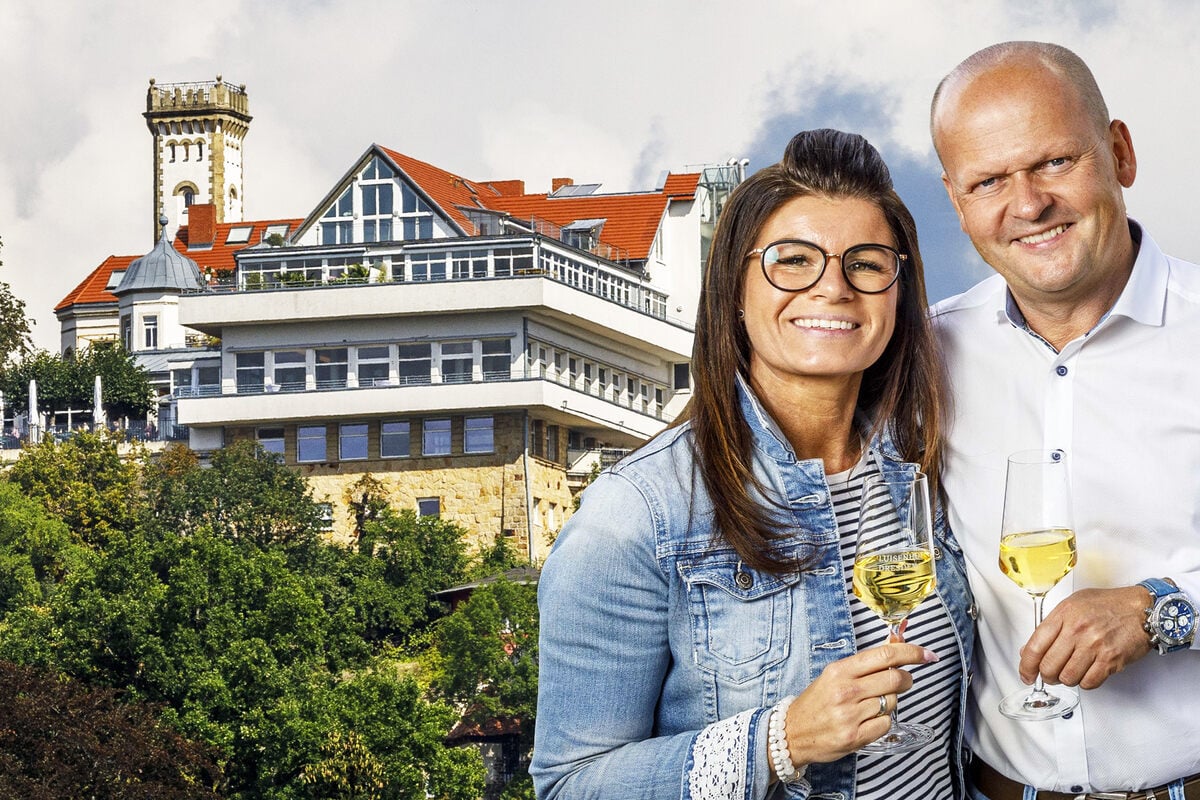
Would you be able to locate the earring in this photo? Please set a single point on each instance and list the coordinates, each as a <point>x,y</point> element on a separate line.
<point>741,313</point>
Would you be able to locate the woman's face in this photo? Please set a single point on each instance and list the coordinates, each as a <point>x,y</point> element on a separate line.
<point>828,331</point>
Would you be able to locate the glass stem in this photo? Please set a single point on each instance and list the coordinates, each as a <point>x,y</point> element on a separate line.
<point>896,635</point>
<point>1038,686</point>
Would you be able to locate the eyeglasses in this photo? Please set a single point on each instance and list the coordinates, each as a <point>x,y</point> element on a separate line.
<point>793,265</point>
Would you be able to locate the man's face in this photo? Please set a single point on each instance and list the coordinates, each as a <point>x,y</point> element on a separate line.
<point>1037,183</point>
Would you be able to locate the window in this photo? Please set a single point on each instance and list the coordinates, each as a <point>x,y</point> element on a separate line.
<point>469,264</point>
<point>428,266</point>
<point>478,435</point>
<point>250,373</point>
<point>683,376</point>
<point>332,368</point>
<point>208,380</point>
<point>336,223</point>
<point>537,438</point>
<point>429,506</point>
<point>497,359</point>
<point>189,195</point>
<point>456,361</point>
<point>127,332</point>
<point>150,331</point>
<point>551,443</point>
<point>199,151</point>
<point>416,363</point>
<point>435,437</point>
<point>271,440</point>
<point>373,365</point>
<point>352,441</point>
<point>377,212</point>
<point>512,261</point>
<point>114,279</point>
<point>290,370</point>
<point>239,235</point>
<point>394,440</point>
<point>310,443</point>
<point>325,510</point>
<point>181,382</point>
<point>273,230</point>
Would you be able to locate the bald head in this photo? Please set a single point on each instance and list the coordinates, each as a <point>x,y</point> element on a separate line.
<point>1033,57</point>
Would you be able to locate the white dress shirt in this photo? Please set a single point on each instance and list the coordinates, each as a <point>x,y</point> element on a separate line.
<point>1123,402</point>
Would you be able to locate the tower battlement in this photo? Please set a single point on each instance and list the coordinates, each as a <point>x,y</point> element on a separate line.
<point>204,97</point>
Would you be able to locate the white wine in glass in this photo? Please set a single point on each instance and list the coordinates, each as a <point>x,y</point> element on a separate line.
<point>893,572</point>
<point>1037,550</point>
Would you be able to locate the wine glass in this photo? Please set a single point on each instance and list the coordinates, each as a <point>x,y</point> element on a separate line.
<point>1037,549</point>
<point>894,571</point>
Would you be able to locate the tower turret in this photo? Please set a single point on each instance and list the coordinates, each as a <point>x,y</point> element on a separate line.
<point>198,130</point>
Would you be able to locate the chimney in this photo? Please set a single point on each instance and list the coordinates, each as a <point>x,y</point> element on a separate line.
<point>202,225</point>
<point>558,183</point>
<point>508,188</point>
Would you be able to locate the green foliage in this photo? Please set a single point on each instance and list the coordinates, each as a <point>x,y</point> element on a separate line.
<point>60,739</point>
<point>70,382</point>
<point>486,661</point>
<point>246,495</point>
<point>82,481</point>
<point>214,596</point>
<point>417,556</point>
<point>15,332</point>
<point>36,551</point>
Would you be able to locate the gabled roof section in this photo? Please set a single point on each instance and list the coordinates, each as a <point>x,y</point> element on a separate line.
<point>447,190</point>
<point>682,186</point>
<point>92,288</point>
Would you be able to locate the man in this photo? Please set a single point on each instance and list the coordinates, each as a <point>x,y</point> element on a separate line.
<point>1083,342</point>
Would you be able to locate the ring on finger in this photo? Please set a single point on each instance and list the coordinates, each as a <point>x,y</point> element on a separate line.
<point>883,706</point>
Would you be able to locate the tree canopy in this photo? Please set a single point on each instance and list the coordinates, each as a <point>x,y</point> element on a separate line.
<point>69,382</point>
<point>15,331</point>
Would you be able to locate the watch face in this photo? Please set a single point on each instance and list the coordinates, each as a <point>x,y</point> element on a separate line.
<point>1176,620</point>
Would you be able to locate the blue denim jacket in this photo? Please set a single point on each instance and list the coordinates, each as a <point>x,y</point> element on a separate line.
<point>657,667</point>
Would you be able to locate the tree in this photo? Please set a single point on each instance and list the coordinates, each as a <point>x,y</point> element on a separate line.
<point>15,333</point>
<point>70,382</point>
<point>247,494</point>
<point>60,739</point>
<point>82,481</point>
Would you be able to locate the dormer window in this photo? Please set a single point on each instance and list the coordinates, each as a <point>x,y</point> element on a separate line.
<point>583,234</point>
<point>114,279</point>
<point>239,235</point>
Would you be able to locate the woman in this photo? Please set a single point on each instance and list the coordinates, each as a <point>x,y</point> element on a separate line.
<point>705,579</point>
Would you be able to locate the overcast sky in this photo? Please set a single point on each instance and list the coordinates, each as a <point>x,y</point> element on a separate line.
<point>613,92</point>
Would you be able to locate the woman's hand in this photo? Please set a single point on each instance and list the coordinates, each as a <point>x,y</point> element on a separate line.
<point>840,711</point>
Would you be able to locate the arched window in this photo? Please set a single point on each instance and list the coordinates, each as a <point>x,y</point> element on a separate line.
<point>199,151</point>
<point>189,197</point>
<point>171,150</point>
<point>186,150</point>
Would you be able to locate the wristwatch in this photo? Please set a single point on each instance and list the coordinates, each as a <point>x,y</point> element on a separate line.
<point>1171,617</point>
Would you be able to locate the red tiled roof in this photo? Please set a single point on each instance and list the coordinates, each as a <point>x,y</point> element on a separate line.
<point>91,289</point>
<point>681,187</point>
<point>220,257</point>
<point>632,220</point>
<point>446,189</point>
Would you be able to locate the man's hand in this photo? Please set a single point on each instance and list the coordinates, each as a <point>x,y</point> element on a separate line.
<point>1091,635</point>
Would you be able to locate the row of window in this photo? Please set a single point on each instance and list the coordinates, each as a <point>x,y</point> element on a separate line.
<point>599,379</point>
<point>184,149</point>
<point>459,361</point>
<point>395,439</point>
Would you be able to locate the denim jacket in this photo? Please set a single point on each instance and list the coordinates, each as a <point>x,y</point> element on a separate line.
<point>659,662</point>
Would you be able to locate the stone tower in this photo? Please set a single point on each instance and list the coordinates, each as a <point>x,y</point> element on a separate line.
<point>198,130</point>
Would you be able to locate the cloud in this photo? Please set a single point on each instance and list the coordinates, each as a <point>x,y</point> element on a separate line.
<point>532,90</point>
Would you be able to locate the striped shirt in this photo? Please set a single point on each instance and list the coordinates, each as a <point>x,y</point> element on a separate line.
<point>933,700</point>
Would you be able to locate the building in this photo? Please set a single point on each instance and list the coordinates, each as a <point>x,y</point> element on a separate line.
<point>475,347</point>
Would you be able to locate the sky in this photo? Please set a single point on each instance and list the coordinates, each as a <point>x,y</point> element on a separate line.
<point>611,92</point>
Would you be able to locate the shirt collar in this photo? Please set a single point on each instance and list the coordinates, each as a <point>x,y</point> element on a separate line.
<point>1142,300</point>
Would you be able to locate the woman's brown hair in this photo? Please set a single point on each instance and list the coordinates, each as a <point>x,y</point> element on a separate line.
<point>902,392</point>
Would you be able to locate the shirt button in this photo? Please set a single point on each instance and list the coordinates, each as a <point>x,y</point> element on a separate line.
<point>1076,789</point>
<point>1061,370</point>
<point>1068,715</point>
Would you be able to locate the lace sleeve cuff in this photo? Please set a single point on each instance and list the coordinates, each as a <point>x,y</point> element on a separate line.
<point>728,760</point>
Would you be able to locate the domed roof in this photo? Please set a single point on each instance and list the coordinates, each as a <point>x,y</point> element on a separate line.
<point>164,267</point>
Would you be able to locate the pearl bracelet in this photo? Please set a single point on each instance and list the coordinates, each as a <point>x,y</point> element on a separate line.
<point>777,745</point>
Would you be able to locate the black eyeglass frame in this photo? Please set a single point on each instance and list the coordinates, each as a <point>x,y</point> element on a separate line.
<point>761,252</point>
